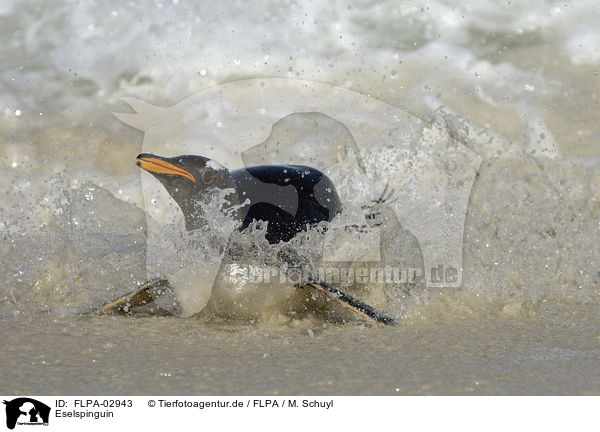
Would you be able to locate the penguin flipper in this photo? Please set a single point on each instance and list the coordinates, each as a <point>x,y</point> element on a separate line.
<point>355,305</point>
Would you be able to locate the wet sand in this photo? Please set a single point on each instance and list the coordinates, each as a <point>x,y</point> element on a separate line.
<point>553,354</point>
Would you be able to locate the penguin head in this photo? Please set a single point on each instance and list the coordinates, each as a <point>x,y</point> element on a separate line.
<point>187,178</point>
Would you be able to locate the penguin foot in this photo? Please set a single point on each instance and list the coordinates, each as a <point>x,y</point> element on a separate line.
<point>146,294</point>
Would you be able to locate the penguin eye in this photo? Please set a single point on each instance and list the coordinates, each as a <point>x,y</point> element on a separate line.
<point>208,176</point>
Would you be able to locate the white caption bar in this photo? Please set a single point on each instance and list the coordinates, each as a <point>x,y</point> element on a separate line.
<point>48,413</point>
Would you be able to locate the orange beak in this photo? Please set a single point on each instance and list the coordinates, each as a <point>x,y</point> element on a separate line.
<point>154,165</point>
